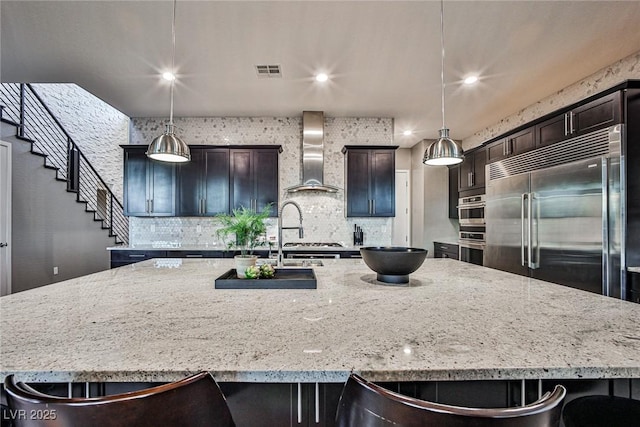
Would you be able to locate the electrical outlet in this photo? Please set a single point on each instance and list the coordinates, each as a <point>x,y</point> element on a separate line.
<point>55,270</point>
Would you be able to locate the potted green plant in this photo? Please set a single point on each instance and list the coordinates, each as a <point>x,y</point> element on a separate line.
<point>248,227</point>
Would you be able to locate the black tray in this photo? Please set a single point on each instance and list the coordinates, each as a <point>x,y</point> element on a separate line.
<point>284,278</point>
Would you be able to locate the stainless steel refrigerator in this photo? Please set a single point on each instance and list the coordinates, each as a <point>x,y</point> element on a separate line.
<point>556,214</point>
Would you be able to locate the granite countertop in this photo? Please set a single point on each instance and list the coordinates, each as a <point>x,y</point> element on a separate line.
<point>160,320</point>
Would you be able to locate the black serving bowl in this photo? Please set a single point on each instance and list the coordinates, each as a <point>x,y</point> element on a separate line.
<point>392,263</point>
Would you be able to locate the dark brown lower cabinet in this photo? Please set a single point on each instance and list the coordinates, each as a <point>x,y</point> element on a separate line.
<point>289,404</point>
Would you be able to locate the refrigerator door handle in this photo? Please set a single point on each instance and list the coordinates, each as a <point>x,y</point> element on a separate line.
<point>523,197</point>
<point>530,231</point>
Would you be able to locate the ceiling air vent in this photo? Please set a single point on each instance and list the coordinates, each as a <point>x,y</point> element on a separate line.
<point>268,71</point>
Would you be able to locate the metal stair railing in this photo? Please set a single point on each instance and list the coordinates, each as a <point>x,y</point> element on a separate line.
<point>23,107</point>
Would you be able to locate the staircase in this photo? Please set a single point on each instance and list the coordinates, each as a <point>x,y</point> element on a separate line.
<point>21,107</point>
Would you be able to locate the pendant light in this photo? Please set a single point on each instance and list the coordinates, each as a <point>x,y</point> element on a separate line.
<point>444,151</point>
<point>168,147</point>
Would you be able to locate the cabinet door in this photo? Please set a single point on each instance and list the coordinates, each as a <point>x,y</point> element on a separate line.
<point>262,404</point>
<point>215,181</point>
<point>552,130</point>
<point>521,142</point>
<point>358,177</point>
<point>597,114</point>
<point>135,183</point>
<point>162,184</point>
<point>383,167</point>
<point>464,173</point>
<point>266,180</point>
<point>242,186</point>
<point>479,162</point>
<point>453,192</point>
<point>189,185</point>
<point>496,151</point>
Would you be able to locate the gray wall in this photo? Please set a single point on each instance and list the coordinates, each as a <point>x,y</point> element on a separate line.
<point>49,227</point>
<point>430,201</point>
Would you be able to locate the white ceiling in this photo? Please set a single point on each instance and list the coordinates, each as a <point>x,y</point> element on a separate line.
<point>383,57</point>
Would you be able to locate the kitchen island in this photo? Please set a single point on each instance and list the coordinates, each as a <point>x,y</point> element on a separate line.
<point>160,320</point>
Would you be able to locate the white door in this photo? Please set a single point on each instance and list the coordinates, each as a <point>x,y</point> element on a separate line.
<point>5,218</point>
<point>400,235</point>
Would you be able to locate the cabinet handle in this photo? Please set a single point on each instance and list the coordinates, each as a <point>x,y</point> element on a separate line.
<point>504,148</point>
<point>444,248</point>
<point>566,125</point>
<point>373,204</point>
<point>151,204</point>
<point>136,255</point>
<point>507,146</point>
<point>571,128</point>
<point>299,403</point>
<point>317,404</point>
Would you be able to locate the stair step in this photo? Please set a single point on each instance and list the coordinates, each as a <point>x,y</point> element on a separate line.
<point>37,153</point>
<point>55,168</point>
<point>10,122</point>
<point>24,138</point>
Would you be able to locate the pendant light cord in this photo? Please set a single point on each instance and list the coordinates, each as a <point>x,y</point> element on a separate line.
<point>173,60</point>
<point>442,45</point>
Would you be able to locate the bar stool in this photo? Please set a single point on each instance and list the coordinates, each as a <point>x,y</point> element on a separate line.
<point>598,411</point>
<point>364,404</point>
<point>195,401</point>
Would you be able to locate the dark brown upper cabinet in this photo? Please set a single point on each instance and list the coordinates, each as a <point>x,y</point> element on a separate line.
<point>597,114</point>
<point>203,183</point>
<point>370,173</point>
<point>517,143</point>
<point>149,185</point>
<point>254,178</point>
<point>471,170</point>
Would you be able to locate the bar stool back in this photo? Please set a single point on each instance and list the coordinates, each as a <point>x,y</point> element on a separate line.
<point>598,411</point>
<point>364,404</point>
<point>195,401</point>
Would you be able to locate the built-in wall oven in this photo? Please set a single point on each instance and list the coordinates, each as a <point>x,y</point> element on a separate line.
<point>471,245</point>
<point>472,228</point>
<point>471,211</point>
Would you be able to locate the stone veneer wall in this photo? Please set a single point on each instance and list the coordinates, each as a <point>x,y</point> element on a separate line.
<point>625,69</point>
<point>95,126</point>
<point>324,218</point>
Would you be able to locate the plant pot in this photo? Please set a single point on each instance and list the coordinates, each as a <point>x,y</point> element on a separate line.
<point>243,262</point>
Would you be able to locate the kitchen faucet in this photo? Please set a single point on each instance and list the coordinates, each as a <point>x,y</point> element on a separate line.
<point>280,227</point>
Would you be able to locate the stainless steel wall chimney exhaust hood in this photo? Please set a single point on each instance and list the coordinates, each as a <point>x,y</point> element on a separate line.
<point>312,154</point>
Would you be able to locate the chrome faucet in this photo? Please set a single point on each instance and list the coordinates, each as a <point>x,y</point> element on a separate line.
<point>280,227</point>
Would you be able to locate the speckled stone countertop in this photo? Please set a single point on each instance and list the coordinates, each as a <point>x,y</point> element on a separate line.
<point>160,320</point>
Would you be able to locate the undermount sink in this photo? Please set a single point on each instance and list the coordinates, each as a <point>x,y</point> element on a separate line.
<point>312,262</point>
<point>302,263</point>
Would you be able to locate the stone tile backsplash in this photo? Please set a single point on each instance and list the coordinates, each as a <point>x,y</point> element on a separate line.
<point>323,214</point>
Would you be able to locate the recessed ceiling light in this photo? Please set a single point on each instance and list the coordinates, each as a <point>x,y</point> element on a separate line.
<point>168,76</point>
<point>407,133</point>
<point>322,77</point>
<point>470,80</point>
